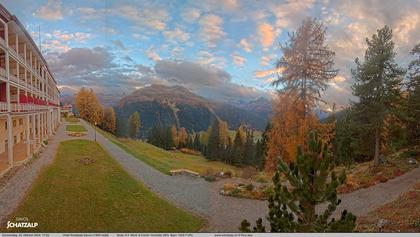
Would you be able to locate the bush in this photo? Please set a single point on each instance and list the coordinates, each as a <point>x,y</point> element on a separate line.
<point>249,187</point>
<point>210,178</point>
<point>235,192</point>
<point>249,172</point>
<point>228,174</point>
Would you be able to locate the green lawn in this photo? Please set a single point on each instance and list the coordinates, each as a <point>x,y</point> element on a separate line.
<point>72,119</point>
<point>75,128</point>
<point>71,196</point>
<point>164,161</point>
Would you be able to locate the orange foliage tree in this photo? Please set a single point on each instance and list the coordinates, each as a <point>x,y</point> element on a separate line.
<point>89,106</point>
<point>304,71</point>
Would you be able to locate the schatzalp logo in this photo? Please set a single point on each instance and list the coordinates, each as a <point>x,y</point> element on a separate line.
<point>21,222</point>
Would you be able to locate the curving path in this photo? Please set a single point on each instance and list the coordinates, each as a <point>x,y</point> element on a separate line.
<point>224,214</point>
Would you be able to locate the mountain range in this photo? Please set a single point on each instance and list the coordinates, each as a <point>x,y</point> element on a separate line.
<point>176,105</point>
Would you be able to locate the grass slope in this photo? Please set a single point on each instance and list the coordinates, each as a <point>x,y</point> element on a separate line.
<point>71,196</point>
<point>75,128</point>
<point>72,119</point>
<point>403,215</point>
<point>164,161</point>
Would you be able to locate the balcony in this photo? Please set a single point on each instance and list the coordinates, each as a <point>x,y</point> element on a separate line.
<point>3,73</point>
<point>2,42</point>
<point>24,107</point>
<point>13,78</point>
<point>3,107</point>
<point>12,49</point>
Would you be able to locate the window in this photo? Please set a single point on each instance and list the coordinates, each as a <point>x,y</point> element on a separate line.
<point>14,140</point>
<point>20,121</point>
<point>14,123</point>
<point>21,136</point>
<point>5,125</point>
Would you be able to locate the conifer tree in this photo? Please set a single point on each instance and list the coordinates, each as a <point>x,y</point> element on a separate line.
<point>312,181</point>
<point>197,143</point>
<point>134,125</point>
<point>378,85</point>
<point>168,139</point>
<point>413,100</point>
<point>237,154</point>
<point>218,140</point>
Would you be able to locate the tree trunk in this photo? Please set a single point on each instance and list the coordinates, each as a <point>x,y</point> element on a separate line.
<point>377,147</point>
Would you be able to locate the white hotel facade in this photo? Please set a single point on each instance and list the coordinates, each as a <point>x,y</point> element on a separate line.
<point>29,97</point>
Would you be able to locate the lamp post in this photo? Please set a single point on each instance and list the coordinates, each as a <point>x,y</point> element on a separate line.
<point>95,131</point>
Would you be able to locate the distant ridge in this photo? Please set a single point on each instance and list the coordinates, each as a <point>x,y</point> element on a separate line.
<point>176,105</point>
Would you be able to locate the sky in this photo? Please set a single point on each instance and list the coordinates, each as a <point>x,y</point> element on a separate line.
<point>222,50</point>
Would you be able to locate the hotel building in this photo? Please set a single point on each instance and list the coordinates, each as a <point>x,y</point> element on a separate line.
<point>29,97</point>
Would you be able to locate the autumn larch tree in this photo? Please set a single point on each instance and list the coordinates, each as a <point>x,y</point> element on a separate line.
<point>109,122</point>
<point>304,70</point>
<point>310,181</point>
<point>182,137</point>
<point>89,106</point>
<point>378,83</point>
<point>134,124</point>
<point>307,65</point>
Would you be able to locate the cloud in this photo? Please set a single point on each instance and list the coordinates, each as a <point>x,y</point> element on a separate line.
<point>246,45</point>
<point>267,34</point>
<point>205,80</point>
<point>80,60</point>
<point>211,29</point>
<point>59,41</point>
<point>190,15</point>
<point>118,44</point>
<point>207,58</point>
<point>267,60</point>
<point>152,54</point>
<point>230,4</point>
<point>151,17</point>
<point>51,11</point>
<point>238,59</point>
<point>176,35</point>
<point>291,13</point>
<point>269,72</point>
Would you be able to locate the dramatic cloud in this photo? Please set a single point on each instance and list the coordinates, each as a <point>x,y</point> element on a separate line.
<point>238,37</point>
<point>51,12</point>
<point>208,81</point>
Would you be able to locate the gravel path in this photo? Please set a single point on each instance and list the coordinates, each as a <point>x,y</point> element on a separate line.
<point>224,214</point>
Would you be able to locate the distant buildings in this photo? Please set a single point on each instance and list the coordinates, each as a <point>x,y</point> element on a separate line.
<point>67,110</point>
<point>29,97</point>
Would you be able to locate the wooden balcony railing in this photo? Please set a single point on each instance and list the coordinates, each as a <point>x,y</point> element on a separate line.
<point>3,107</point>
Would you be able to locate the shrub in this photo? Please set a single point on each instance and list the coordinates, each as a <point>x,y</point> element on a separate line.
<point>210,178</point>
<point>228,174</point>
<point>235,192</point>
<point>249,172</point>
<point>249,187</point>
